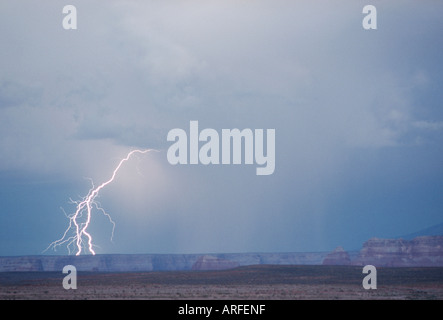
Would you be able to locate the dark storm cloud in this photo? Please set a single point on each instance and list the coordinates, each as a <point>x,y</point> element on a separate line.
<point>344,103</point>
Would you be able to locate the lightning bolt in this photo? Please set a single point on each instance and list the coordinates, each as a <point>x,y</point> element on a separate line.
<point>80,220</point>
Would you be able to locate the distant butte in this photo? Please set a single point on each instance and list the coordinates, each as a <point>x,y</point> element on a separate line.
<point>426,251</point>
<point>208,262</point>
<point>337,257</point>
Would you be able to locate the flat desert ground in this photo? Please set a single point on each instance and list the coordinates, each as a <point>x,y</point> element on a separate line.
<point>281,282</point>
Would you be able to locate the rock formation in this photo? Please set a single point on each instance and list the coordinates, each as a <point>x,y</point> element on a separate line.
<point>25,263</point>
<point>426,251</point>
<point>155,262</point>
<point>207,262</point>
<point>421,251</point>
<point>337,257</point>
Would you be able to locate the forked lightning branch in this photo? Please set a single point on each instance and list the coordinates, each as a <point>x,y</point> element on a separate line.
<point>76,235</point>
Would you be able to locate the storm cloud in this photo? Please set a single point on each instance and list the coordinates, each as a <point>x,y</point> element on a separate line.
<point>357,115</point>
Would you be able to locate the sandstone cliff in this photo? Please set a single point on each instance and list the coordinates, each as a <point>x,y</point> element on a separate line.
<point>337,257</point>
<point>426,251</point>
<point>155,262</point>
<point>421,251</point>
<point>207,262</point>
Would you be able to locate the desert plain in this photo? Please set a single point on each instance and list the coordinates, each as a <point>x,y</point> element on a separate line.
<point>267,282</point>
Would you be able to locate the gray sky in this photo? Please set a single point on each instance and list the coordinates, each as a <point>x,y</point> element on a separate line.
<point>357,113</point>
